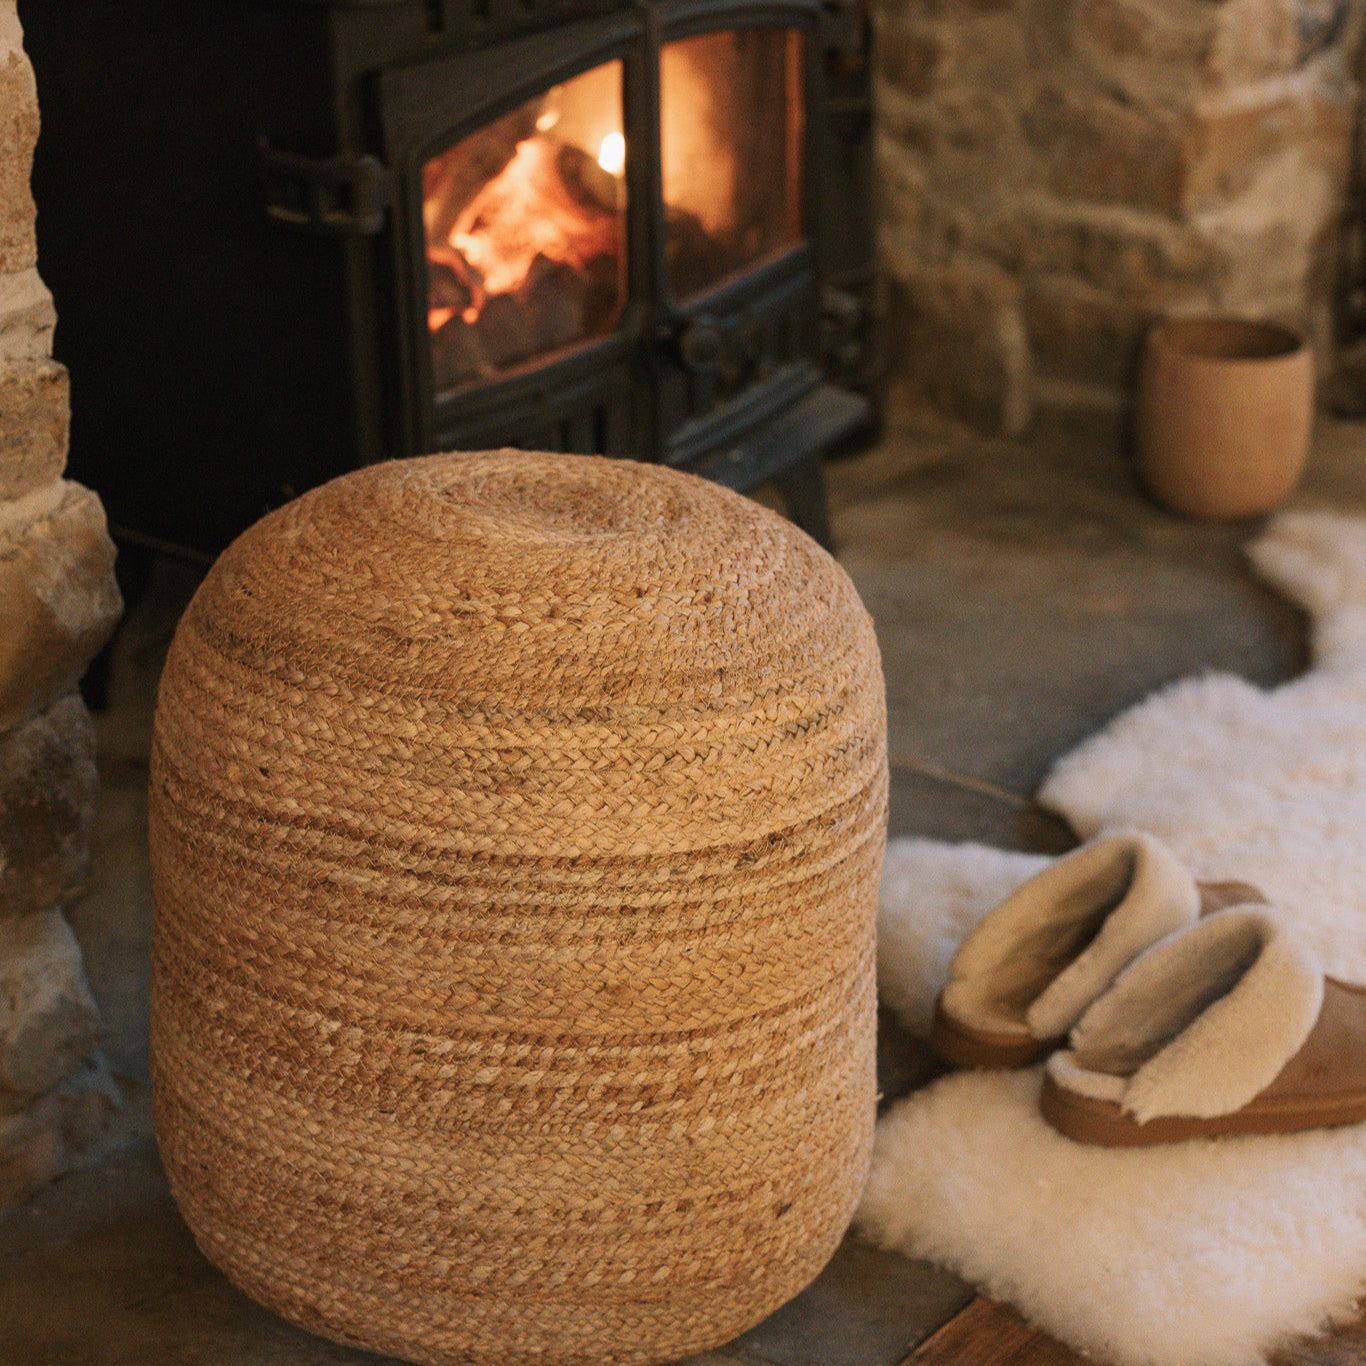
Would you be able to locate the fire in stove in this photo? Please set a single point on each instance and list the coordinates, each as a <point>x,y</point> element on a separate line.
<point>525,219</point>
<point>526,231</point>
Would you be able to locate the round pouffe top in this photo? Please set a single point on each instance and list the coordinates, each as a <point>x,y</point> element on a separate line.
<point>516,829</point>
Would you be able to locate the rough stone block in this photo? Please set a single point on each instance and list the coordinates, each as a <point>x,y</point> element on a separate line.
<point>49,1025</point>
<point>1165,55</point>
<point>913,57</point>
<point>916,228</point>
<point>18,134</point>
<point>27,318</point>
<point>904,125</point>
<point>920,56</point>
<point>968,142</point>
<point>1226,146</point>
<point>39,1143</point>
<point>58,598</point>
<point>1077,332</point>
<point>1101,150</point>
<point>1252,41</point>
<point>1322,23</point>
<point>47,796</point>
<point>962,343</point>
<point>1126,252</point>
<point>34,422</point>
<point>1279,236</point>
<point>1000,52</point>
<point>1153,53</point>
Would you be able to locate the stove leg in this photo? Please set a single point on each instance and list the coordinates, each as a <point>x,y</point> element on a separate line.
<point>802,485</point>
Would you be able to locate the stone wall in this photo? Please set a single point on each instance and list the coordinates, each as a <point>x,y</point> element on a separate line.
<point>58,604</point>
<point>1057,174</point>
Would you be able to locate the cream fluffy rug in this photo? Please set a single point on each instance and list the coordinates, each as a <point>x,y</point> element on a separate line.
<point>1200,1254</point>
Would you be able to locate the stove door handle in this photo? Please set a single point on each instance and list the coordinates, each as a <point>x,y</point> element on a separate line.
<point>701,344</point>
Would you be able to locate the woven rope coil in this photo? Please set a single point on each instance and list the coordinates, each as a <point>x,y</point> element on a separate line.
<point>516,830</point>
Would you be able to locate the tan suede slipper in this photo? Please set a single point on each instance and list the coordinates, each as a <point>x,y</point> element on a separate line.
<point>1024,976</point>
<point>1225,1028</point>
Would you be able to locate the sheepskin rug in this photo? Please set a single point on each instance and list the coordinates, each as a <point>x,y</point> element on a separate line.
<point>1200,1254</point>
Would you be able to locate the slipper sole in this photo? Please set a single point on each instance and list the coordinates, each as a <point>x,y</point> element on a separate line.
<point>1322,1087</point>
<point>1103,1124</point>
<point>966,1046</point>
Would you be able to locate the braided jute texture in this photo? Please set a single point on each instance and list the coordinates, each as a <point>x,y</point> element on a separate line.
<point>516,830</point>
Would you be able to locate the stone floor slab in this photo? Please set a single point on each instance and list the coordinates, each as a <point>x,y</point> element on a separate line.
<point>868,1308</point>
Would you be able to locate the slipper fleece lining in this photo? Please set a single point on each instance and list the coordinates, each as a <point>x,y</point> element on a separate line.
<point>1200,1024</point>
<point>1048,950</point>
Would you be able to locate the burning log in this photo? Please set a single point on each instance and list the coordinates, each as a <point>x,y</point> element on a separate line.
<point>502,332</point>
<point>552,299</point>
<point>555,306</point>
<point>498,338</point>
<point>456,357</point>
<point>595,191</point>
<point>697,258</point>
<point>445,289</point>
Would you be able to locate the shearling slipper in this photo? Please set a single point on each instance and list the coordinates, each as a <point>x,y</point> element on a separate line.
<point>1024,976</point>
<point>1225,1028</point>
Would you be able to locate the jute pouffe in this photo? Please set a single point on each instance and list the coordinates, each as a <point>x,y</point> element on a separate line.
<point>516,830</point>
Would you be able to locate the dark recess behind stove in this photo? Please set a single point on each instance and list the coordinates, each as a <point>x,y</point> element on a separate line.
<point>222,362</point>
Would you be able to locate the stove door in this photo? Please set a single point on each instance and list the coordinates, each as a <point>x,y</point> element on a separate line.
<point>524,224</point>
<point>737,341</point>
<point>516,253</point>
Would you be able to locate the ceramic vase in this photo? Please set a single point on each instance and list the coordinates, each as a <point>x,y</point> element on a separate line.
<point>1224,412</point>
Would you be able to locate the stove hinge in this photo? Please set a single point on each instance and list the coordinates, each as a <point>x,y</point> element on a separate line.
<point>333,195</point>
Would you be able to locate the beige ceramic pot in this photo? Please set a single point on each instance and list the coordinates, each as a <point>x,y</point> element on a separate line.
<point>1224,414</point>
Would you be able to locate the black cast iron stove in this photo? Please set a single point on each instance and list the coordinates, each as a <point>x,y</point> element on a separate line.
<point>290,237</point>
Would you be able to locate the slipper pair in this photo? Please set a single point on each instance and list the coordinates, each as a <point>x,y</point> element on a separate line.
<point>1166,1009</point>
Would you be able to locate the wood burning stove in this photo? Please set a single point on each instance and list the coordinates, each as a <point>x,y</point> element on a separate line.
<point>289,237</point>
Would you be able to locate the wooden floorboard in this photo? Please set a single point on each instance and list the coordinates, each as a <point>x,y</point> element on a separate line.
<point>991,1334</point>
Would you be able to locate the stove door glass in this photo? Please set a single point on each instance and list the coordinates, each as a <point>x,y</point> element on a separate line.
<point>731,133</point>
<point>525,224</point>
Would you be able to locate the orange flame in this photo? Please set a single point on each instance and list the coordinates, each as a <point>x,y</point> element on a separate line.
<point>525,211</point>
